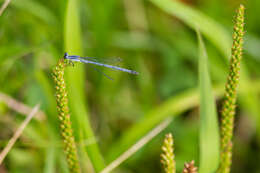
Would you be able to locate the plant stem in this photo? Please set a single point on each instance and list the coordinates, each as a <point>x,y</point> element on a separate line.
<point>64,117</point>
<point>229,105</point>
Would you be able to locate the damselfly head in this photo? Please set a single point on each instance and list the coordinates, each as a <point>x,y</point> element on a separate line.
<point>66,55</point>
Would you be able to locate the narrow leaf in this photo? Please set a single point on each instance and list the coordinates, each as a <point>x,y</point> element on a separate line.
<point>76,82</point>
<point>209,135</point>
<point>172,107</point>
<point>194,18</point>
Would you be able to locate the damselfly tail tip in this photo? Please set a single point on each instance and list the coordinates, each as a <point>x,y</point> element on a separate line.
<point>135,72</point>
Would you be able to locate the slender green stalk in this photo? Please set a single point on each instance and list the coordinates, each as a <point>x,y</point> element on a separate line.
<point>64,117</point>
<point>167,157</point>
<point>229,105</point>
<point>209,128</point>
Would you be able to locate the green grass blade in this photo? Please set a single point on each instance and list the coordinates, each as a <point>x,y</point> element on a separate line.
<point>216,34</point>
<point>194,18</point>
<point>209,132</point>
<point>75,82</point>
<point>172,107</point>
<point>50,161</point>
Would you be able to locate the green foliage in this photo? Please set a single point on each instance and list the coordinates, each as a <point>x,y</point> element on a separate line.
<point>174,106</point>
<point>209,132</point>
<point>76,78</point>
<point>110,116</point>
<point>195,19</point>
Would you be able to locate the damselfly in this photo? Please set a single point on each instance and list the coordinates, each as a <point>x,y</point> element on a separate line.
<point>90,60</point>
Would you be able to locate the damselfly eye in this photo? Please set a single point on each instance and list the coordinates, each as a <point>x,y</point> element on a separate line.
<point>66,55</point>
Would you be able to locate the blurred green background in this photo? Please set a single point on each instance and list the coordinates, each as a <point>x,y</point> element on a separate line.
<point>161,46</point>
